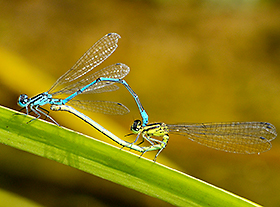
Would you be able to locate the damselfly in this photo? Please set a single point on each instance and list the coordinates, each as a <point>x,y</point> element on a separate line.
<point>234,137</point>
<point>100,81</point>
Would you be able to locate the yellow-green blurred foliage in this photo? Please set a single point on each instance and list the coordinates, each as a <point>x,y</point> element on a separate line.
<point>191,61</point>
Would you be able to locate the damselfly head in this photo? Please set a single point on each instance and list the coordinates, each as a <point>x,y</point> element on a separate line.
<point>136,126</point>
<point>23,100</point>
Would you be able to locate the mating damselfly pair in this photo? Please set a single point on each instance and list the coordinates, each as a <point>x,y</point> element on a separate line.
<point>235,137</point>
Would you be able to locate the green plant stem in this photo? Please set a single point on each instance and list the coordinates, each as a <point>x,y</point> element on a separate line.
<point>111,163</point>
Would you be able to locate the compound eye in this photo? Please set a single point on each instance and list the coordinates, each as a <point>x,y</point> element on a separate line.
<point>23,100</point>
<point>136,126</point>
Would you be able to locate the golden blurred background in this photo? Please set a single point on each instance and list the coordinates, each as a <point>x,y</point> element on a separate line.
<point>191,61</point>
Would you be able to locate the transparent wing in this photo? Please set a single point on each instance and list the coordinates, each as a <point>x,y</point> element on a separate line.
<point>107,88</point>
<point>235,137</point>
<point>116,71</point>
<point>104,107</point>
<point>95,55</point>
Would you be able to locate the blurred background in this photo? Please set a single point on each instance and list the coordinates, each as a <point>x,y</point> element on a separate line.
<point>191,61</point>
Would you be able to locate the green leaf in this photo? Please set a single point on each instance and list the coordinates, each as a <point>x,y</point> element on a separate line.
<point>109,162</point>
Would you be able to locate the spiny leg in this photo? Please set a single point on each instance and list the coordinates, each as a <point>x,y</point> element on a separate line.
<point>143,139</point>
<point>149,139</point>
<point>26,108</point>
<point>36,112</point>
<point>45,110</point>
<point>47,115</point>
